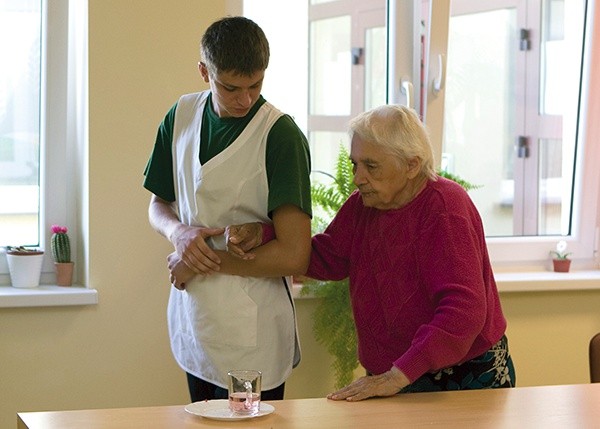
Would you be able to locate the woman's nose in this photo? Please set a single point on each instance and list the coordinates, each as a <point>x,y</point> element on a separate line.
<point>358,178</point>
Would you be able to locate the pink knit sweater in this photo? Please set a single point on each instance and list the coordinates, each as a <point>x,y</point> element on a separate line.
<point>422,288</point>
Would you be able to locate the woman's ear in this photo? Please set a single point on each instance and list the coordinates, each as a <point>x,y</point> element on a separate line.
<point>414,167</point>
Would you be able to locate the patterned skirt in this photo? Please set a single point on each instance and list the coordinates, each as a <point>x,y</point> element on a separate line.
<point>493,369</point>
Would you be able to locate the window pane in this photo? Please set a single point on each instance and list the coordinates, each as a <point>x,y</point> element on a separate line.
<point>479,111</point>
<point>375,67</point>
<point>555,188</point>
<point>324,149</point>
<point>20,36</point>
<point>330,66</point>
<point>502,93</point>
<point>554,81</point>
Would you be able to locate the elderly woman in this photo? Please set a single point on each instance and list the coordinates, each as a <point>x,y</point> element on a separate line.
<point>425,303</point>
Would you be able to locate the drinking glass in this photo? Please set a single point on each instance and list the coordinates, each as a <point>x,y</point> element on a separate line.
<point>244,391</point>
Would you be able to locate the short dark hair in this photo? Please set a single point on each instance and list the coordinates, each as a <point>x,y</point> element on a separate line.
<point>234,44</point>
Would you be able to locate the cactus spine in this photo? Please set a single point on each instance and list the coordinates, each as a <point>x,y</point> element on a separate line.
<point>60,244</point>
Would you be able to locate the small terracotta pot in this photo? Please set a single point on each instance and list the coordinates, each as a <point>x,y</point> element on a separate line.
<point>561,265</point>
<point>64,273</point>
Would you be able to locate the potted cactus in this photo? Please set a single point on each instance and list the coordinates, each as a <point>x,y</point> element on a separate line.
<point>61,252</point>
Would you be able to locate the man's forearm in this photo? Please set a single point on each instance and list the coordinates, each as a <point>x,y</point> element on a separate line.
<point>162,217</point>
<point>268,262</point>
<point>288,253</point>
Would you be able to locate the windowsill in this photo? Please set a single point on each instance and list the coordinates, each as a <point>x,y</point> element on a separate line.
<point>548,281</point>
<point>46,296</point>
<point>542,281</point>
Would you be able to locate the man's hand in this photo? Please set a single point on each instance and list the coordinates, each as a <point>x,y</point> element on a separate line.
<point>190,244</point>
<point>180,273</point>
<point>189,241</point>
<point>241,239</point>
<point>387,384</point>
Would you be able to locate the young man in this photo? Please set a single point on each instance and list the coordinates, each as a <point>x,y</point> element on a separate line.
<point>226,156</point>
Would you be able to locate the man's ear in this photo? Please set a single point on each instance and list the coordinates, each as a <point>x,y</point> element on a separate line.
<point>203,71</point>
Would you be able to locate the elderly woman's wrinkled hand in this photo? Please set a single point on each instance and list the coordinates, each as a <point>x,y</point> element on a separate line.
<point>387,384</point>
<point>241,239</point>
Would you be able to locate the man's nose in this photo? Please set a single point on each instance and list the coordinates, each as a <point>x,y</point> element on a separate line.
<point>245,99</point>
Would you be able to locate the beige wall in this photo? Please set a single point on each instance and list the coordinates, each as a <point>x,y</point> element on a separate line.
<point>115,354</point>
<point>549,334</point>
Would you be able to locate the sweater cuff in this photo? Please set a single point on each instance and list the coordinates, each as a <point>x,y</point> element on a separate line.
<point>411,367</point>
<point>268,232</point>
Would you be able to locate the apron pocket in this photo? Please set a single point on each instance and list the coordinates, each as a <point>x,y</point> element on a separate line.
<point>227,316</point>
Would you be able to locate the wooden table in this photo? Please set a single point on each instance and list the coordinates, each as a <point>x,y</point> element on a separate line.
<point>565,407</point>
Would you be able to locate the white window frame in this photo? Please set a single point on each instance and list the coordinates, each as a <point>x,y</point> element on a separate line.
<point>514,254</point>
<point>531,253</point>
<point>63,127</point>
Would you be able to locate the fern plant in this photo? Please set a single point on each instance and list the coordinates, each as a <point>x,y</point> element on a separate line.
<point>333,326</point>
<point>468,186</point>
<point>327,199</point>
<point>333,323</point>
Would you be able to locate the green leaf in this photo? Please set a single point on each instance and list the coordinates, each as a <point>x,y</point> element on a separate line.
<point>467,185</point>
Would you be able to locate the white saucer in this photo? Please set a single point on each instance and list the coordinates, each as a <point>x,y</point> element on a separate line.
<point>218,409</point>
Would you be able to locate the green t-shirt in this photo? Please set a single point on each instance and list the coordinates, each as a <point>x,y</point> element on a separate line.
<point>287,157</point>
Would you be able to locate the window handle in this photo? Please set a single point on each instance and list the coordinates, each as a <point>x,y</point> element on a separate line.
<point>524,39</point>
<point>523,147</point>
<point>357,54</point>
<point>406,88</point>
<point>437,81</point>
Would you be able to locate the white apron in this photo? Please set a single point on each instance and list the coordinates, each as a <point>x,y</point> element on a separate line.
<point>223,322</point>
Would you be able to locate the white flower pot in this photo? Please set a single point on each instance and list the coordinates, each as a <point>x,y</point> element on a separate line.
<point>25,269</point>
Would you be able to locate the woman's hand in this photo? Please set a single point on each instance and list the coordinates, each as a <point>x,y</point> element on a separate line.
<point>241,239</point>
<point>387,384</point>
